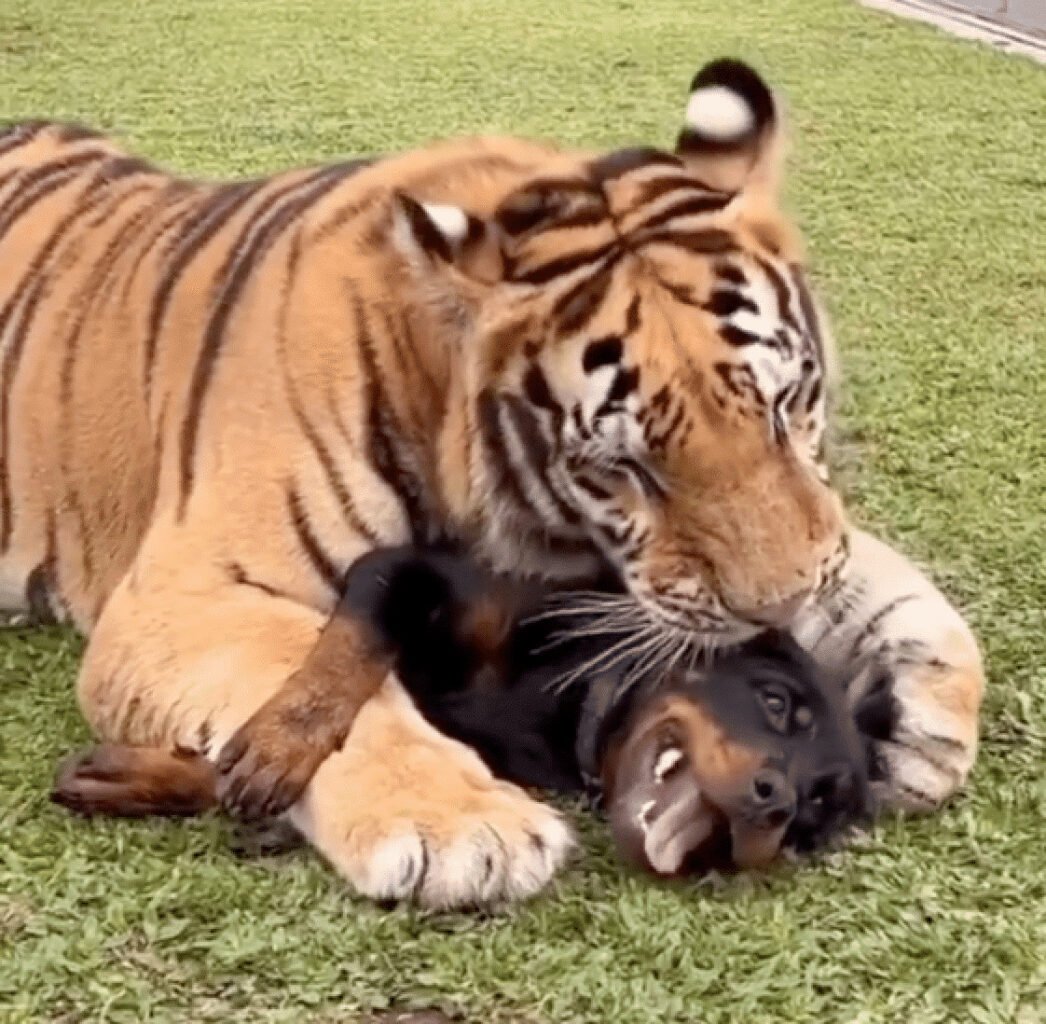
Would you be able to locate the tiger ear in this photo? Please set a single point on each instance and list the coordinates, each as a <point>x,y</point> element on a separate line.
<point>732,135</point>
<point>442,236</point>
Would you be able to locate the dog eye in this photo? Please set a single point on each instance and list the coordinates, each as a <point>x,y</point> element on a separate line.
<point>777,706</point>
<point>804,717</point>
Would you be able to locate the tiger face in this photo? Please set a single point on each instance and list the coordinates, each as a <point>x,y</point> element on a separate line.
<point>649,369</point>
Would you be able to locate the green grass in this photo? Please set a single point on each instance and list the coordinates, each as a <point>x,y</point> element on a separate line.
<point>920,181</point>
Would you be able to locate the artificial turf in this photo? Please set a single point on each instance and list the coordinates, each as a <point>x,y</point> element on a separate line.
<point>919,177</point>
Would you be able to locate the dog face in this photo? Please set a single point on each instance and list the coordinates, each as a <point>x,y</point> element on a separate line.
<point>729,764</point>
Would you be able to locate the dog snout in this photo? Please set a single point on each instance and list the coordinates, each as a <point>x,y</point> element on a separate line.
<point>773,798</point>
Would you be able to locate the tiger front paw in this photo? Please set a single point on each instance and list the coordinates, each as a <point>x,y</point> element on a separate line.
<point>407,814</point>
<point>931,744</point>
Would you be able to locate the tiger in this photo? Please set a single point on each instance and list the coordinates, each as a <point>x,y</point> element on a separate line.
<point>215,396</point>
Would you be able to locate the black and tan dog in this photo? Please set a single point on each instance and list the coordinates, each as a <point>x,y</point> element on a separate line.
<point>726,764</point>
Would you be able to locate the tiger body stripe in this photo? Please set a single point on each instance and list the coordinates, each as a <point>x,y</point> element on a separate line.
<point>215,396</point>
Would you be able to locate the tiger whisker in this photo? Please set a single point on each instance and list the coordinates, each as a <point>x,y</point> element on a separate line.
<point>667,656</point>
<point>578,609</point>
<point>588,631</point>
<point>615,653</point>
<point>647,652</point>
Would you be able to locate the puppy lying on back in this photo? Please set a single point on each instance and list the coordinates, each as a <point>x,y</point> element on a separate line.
<point>726,764</point>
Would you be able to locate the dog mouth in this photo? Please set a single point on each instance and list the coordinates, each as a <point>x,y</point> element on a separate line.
<point>691,835</point>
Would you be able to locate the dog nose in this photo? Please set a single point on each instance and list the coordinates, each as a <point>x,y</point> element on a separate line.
<point>773,798</point>
<point>782,611</point>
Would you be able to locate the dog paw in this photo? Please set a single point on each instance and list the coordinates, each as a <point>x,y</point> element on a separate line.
<point>266,765</point>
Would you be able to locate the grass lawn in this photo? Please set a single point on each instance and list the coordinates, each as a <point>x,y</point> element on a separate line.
<point>920,178</point>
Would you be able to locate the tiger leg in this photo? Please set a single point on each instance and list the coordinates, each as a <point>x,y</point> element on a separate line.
<point>399,810</point>
<point>887,611</point>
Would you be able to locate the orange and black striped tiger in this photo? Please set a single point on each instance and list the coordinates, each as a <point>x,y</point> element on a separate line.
<point>214,397</point>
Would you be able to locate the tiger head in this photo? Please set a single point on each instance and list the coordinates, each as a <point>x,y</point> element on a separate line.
<point>647,366</point>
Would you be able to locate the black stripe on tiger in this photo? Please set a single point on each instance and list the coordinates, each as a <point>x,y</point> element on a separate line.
<point>602,352</point>
<point>868,630</point>
<point>563,265</point>
<point>616,165</point>
<point>41,587</point>
<point>322,563</point>
<point>574,309</point>
<point>408,351</point>
<point>553,202</point>
<point>617,535</point>
<point>626,382</point>
<point>92,290</point>
<point>383,453</point>
<point>781,292</point>
<point>537,454</point>
<point>329,466</point>
<point>93,287</point>
<point>664,183</point>
<point>19,134</point>
<point>658,441</point>
<point>211,215</point>
<point>738,336</point>
<point>25,300</point>
<point>710,241</point>
<point>590,487</point>
<point>539,394</point>
<point>179,200</point>
<point>238,573</point>
<point>518,222</point>
<point>692,206</point>
<point>723,303</point>
<point>813,395</point>
<point>808,309</point>
<point>493,435</point>
<point>264,227</point>
<point>72,131</point>
<point>36,185</point>
<point>332,474</point>
<point>739,379</point>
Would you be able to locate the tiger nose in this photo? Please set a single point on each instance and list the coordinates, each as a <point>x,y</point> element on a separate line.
<point>781,611</point>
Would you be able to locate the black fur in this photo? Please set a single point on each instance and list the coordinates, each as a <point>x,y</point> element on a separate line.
<point>496,694</point>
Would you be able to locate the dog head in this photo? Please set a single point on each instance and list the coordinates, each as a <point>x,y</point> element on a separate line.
<point>729,764</point>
